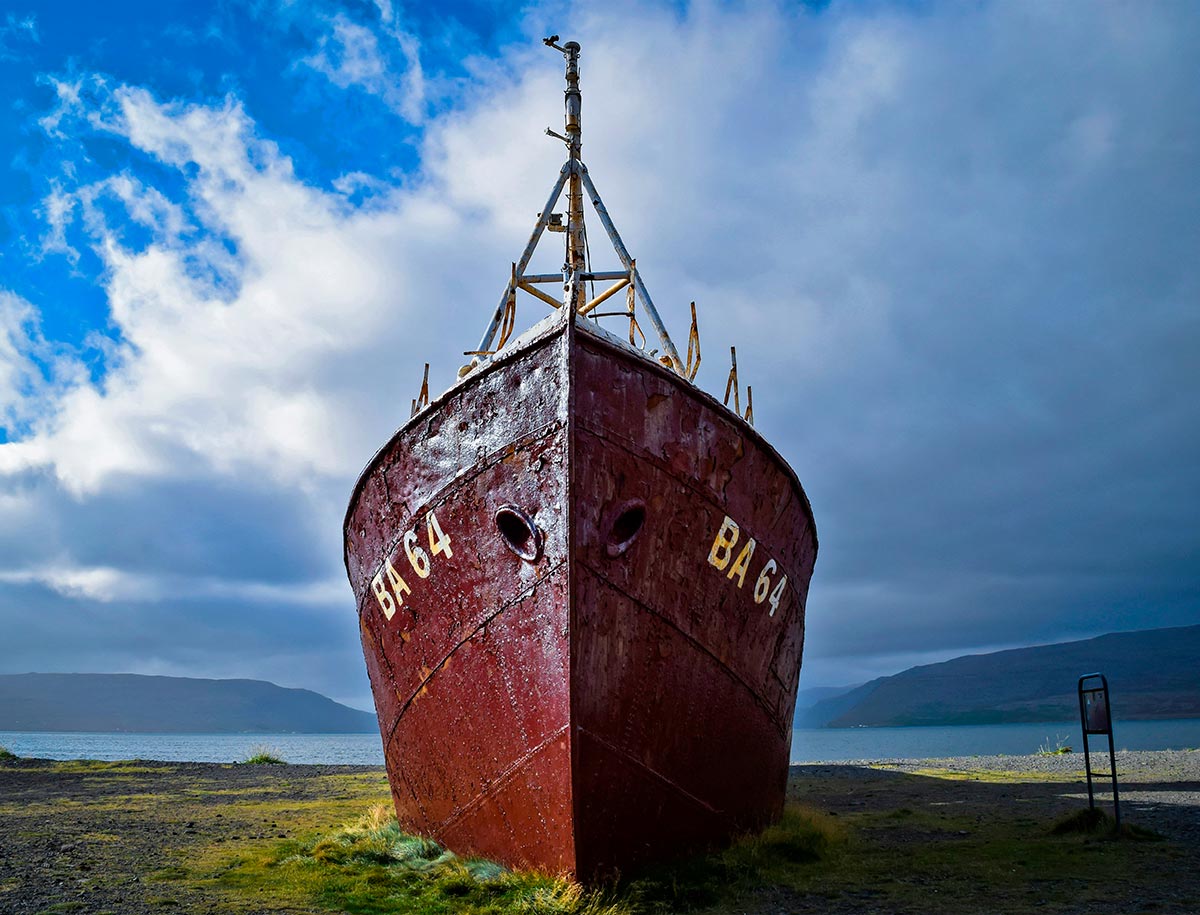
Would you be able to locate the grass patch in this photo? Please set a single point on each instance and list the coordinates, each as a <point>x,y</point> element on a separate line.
<point>174,872</point>
<point>6,754</point>
<point>370,866</point>
<point>1059,748</point>
<point>264,756</point>
<point>994,776</point>
<point>118,767</point>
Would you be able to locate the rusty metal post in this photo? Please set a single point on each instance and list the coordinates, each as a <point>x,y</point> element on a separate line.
<point>731,384</point>
<point>627,261</point>
<point>485,341</point>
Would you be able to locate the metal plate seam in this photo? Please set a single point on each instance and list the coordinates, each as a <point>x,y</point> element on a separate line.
<point>603,579</point>
<point>442,663</point>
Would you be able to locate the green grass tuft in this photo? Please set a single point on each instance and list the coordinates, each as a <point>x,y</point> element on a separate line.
<point>264,756</point>
<point>1089,821</point>
<point>6,754</point>
<point>371,867</point>
<point>1060,747</point>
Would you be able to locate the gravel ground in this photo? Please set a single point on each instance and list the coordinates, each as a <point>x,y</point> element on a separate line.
<point>106,840</point>
<point>1159,789</point>
<point>1132,765</point>
<point>103,840</point>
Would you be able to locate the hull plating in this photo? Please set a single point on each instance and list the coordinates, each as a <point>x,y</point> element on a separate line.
<point>628,694</point>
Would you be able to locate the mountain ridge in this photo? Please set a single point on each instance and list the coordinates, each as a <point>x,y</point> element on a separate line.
<point>1152,674</point>
<point>114,703</point>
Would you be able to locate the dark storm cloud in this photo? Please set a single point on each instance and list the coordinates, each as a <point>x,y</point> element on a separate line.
<point>1013,455</point>
<point>956,251</point>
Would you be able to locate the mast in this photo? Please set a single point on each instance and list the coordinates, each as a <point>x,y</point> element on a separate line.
<point>576,237</point>
<point>576,272</point>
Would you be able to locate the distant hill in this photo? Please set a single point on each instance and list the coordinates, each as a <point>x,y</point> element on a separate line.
<point>807,698</point>
<point>131,702</point>
<point>1151,674</point>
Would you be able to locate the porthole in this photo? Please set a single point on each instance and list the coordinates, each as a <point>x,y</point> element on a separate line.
<point>626,526</point>
<point>519,532</point>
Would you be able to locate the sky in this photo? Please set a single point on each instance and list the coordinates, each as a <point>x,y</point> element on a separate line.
<point>957,246</point>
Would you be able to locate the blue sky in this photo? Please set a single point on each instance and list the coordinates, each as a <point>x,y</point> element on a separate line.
<point>955,245</point>
<point>281,61</point>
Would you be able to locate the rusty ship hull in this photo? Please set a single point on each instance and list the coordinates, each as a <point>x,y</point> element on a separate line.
<point>581,586</point>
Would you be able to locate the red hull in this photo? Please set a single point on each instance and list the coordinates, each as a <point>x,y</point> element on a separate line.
<point>628,694</point>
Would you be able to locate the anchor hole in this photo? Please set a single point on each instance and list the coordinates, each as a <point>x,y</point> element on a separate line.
<point>520,533</point>
<point>626,527</point>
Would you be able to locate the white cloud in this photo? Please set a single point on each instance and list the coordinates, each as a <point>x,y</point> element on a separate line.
<point>18,373</point>
<point>227,375</point>
<point>32,371</point>
<point>957,262</point>
<point>351,55</point>
<point>15,31</point>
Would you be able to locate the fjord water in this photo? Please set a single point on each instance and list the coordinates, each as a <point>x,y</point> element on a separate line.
<point>808,744</point>
<point>324,749</point>
<point>832,744</point>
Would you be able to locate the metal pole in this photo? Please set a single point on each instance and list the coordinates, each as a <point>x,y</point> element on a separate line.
<point>1087,754</point>
<point>485,342</point>
<point>626,260</point>
<point>576,249</point>
<point>1112,754</point>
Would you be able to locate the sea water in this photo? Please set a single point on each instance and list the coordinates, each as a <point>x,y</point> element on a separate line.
<point>326,749</point>
<point>833,744</point>
<point>808,744</point>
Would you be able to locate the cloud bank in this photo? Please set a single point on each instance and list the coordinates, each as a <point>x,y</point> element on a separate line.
<point>954,246</point>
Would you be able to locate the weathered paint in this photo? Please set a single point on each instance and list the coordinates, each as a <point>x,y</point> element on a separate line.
<point>621,698</point>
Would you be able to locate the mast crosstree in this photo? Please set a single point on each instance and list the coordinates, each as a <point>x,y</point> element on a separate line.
<point>576,272</point>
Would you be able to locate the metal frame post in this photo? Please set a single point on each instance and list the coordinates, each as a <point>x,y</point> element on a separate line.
<point>485,341</point>
<point>627,261</point>
<point>1089,728</point>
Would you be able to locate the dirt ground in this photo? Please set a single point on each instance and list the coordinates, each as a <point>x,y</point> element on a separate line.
<point>111,837</point>
<point>924,836</point>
